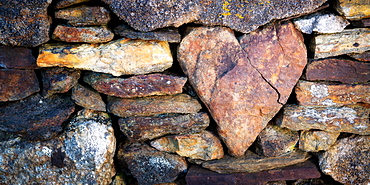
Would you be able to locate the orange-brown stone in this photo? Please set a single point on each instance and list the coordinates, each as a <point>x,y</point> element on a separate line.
<point>83,34</point>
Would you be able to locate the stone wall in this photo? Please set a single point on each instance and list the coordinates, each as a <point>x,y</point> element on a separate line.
<point>184,92</point>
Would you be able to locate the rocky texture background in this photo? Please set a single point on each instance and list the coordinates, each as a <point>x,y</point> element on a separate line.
<point>184,92</point>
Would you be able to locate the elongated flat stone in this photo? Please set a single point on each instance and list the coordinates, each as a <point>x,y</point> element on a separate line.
<point>314,141</point>
<point>17,58</point>
<point>88,98</point>
<point>321,23</point>
<point>82,34</point>
<point>353,9</point>
<point>58,80</point>
<point>84,16</point>
<point>119,57</point>
<point>365,56</point>
<point>361,23</point>
<point>350,118</point>
<point>65,3</point>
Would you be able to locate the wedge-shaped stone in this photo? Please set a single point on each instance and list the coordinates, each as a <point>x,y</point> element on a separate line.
<point>353,9</point>
<point>58,80</point>
<point>329,94</point>
<point>88,98</point>
<point>365,56</point>
<point>146,128</point>
<point>348,41</point>
<point>152,105</point>
<point>350,118</point>
<point>119,57</point>
<point>82,34</point>
<point>203,145</point>
<point>84,16</point>
<point>314,141</point>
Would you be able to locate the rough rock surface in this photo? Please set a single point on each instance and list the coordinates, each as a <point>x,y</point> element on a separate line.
<point>347,161</point>
<point>339,70</point>
<point>146,128</point>
<point>88,98</point>
<point>24,23</point>
<point>81,155</point>
<point>36,118</point>
<point>243,16</point>
<point>353,9</point>
<point>203,145</point>
<point>361,23</point>
<point>136,86</point>
<point>152,105</point>
<point>240,84</point>
<point>17,58</point>
<point>82,34</point>
<point>150,166</point>
<point>84,16</point>
<point>118,57</point>
<point>314,141</point>
<point>17,84</point>
<point>321,23</point>
<point>65,3</point>
<point>329,94</point>
<point>365,56</point>
<point>58,80</point>
<point>350,118</point>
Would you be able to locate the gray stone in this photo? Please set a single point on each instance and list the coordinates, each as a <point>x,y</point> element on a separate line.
<point>314,141</point>
<point>321,23</point>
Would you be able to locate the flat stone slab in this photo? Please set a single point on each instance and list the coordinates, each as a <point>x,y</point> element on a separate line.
<point>88,98</point>
<point>58,80</point>
<point>83,34</point>
<point>17,58</point>
<point>365,56</point>
<point>316,140</point>
<point>84,16</point>
<point>353,9</point>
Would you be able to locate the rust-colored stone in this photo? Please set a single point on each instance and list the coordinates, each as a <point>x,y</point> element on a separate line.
<point>17,58</point>
<point>58,80</point>
<point>353,9</point>
<point>65,3</point>
<point>84,16</point>
<point>83,34</point>
<point>365,56</point>
<point>314,141</point>
<point>88,98</point>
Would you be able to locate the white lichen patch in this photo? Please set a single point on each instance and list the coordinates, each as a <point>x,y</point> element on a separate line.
<point>329,114</point>
<point>319,90</point>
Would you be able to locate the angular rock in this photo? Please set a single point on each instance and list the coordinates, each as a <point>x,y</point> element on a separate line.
<point>118,57</point>
<point>240,84</point>
<point>274,141</point>
<point>88,98</point>
<point>276,183</point>
<point>65,3</point>
<point>350,118</point>
<point>348,41</point>
<point>17,58</point>
<point>17,84</point>
<point>146,128</point>
<point>83,34</point>
<point>136,86</point>
<point>24,23</point>
<point>84,16</point>
<point>152,105</point>
<point>353,9</point>
<point>340,70</point>
<point>81,155</point>
<point>150,166</point>
<point>242,16</point>
<point>321,23</point>
<point>314,141</point>
<point>36,118</point>
<point>329,94</point>
<point>203,145</point>
<point>58,80</point>
<point>361,23</point>
<point>166,34</point>
<point>365,56</point>
<point>254,163</point>
<point>347,161</point>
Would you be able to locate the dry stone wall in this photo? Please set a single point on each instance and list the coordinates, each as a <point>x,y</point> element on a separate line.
<point>184,92</point>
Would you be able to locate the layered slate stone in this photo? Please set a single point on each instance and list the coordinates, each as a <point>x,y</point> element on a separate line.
<point>84,16</point>
<point>348,41</point>
<point>146,128</point>
<point>365,56</point>
<point>361,23</point>
<point>88,98</point>
<point>350,118</point>
<point>347,161</point>
<point>82,34</point>
<point>24,23</point>
<point>243,16</point>
<point>339,70</point>
<point>152,105</point>
<point>65,3</point>
<point>321,23</point>
<point>81,155</point>
<point>136,86</point>
<point>58,80</point>
<point>36,118</point>
<point>314,141</point>
<point>240,83</point>
<point>331,94</point>
<point>118,57</point>
<point>17,58</point>
<point>353,9</point>
<point>17,84</point>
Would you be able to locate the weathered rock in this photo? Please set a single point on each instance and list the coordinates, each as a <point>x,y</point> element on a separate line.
<point>274,141</point>
<point>152,105</point>
<point>146,128</point>
<point>204,145</point>
<point>150,166</point>
<point>58,80</point>
<point>81,155</point>
<point>340,70</point>
<point>310,182</point>
<point>347,161</point>
<point>17,58</point>
<point>361,23</point>
<point>36,118</point>
<point>84,16</point>
<point>329,94</point>
<point>353,9</point>
<point>17,84</point>
<point>166,34</point>
<point>314,141</point>
<point>321,23</point>
<point>348,41</point>
<point>65,3</point>
<point>243,89</point>
<point>24,23</point>
<point>83,34</point>
<point>88,98</point>
<point>276,183</point>
<point>243,16</point>
<point>365,56</point>
<point>136,86</point>
<point>197,175</point>
<point>350,118</point>
<point>119,57</point>
<point>254,163</point>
